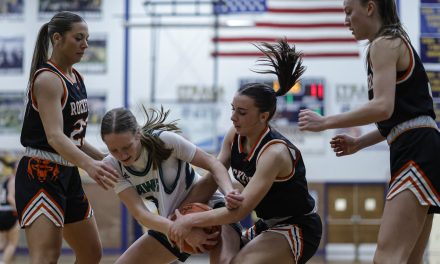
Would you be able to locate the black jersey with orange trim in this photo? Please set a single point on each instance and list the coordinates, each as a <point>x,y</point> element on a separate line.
<point>413,96</point>
<point>288,196</point>
<point>74,107</point>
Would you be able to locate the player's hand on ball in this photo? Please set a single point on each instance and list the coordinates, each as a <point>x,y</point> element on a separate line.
<point>200,241</point>
<point>233,199</point>
<point>180,229</point>
<point>188,238</point>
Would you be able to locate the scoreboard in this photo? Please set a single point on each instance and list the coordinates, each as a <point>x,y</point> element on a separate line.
<point>308,93</point>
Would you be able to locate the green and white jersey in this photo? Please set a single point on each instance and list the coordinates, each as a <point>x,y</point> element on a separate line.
<point>167,185</point>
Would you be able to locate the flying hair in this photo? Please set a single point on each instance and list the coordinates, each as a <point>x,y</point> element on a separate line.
<point>285,61</point>
<point>155,120</point>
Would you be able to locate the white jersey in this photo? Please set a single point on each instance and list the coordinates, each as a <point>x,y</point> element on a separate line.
<point>167,185</point>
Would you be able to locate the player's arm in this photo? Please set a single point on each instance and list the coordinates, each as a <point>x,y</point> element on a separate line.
<point>233,197</point>
<point>384,54</point>
<point>150,220</point>
<point>134,203</point>
<point>270,165</point>
<point>217,167</point>
<point>48,91</point>
<point>93,152</point>
<point>344,144</point>
<point>369,139</point>
<point>140,212</point>
<point>187,151</point>
<point>273,162</point>
<point>201,191</point>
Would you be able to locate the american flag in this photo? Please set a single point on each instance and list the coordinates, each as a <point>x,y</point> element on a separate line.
<point>316,27</point>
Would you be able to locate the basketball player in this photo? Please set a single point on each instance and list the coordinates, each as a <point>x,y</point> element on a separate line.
<point>271,170</point>
<point>51,203</point>
<point>8,216</point>
<point>156,177</point>
<point>401,105</point>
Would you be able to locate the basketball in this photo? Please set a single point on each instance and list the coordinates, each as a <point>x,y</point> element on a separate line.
<point>195,208</point>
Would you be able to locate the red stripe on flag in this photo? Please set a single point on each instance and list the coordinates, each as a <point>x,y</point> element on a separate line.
<point>290,40</point>
<point>308,55</point>
<point>317,28</point>
<point>299,25</point>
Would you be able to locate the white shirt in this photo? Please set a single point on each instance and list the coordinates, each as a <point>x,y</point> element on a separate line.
<point>166,186</point>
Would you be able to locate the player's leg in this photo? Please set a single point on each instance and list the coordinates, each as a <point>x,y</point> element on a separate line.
<point>12,236</point>
<point>80,229</point>
<point>83,238</point>
<point>264,249</point>
<point>295,243</point>
<point>402,225</point>
<point>417,253</point>
<point>149,249</point>
<point>40,208</point>
<point>228,245</point>
<point>44,241</point>
<point>2,238</point>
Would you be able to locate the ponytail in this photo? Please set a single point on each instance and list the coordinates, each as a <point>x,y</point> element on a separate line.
<point>41,51</point>
<point>285,61</point>
<point>286,64</point>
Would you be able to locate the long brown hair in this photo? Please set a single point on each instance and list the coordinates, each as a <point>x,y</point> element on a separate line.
<point>60,23</point>
<point>391,25</point>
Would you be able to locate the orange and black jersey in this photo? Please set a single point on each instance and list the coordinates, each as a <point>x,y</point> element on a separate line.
<point>288,195</point>
<point>413,93</point>
<point>74,107</point>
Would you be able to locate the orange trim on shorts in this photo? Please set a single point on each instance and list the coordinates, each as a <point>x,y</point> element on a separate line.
<point>48,196</point>
<point>425,178</point>
<point>414,184</point>
<point>297,244</point>
<point>431,188</point>
<point>37,209</point>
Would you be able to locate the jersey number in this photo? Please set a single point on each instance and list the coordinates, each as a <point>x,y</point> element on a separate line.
<point>77,135</point>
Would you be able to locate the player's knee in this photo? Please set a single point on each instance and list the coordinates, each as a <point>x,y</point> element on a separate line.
<point>96,256</point>
<point>90,255</point>
<point>383,256</point>
<point>45,257</point>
